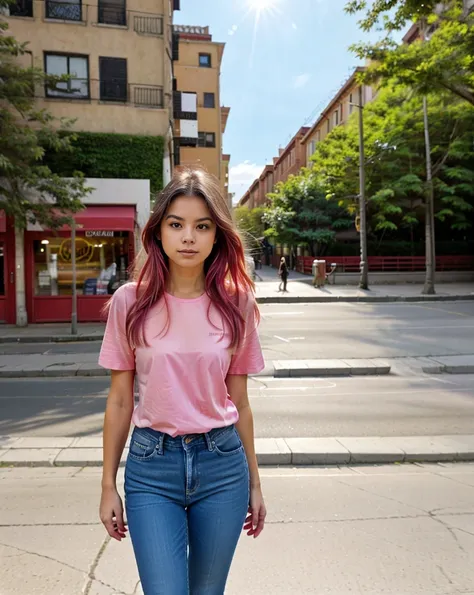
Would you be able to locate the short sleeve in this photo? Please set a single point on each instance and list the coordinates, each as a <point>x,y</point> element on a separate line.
<point>116,353</point>
<point>248,358</point>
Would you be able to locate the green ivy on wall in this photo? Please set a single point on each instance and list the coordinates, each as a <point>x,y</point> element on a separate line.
<point>104,155</point>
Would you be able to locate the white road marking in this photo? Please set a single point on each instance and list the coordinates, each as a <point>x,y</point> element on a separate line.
<point>281,339</point>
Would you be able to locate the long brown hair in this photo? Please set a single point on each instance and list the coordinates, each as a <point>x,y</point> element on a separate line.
<point>227,279</point>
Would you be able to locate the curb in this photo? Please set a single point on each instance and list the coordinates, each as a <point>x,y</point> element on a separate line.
<point>270,451</point>
<point>278,369</point>
<point>361,299</point>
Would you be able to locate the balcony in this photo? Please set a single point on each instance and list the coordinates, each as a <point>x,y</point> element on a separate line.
<point>116,91</point>
<point>148,25</point>
<point>64,11</point>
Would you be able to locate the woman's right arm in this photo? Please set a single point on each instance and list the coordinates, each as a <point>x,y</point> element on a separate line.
<point>118,415</point>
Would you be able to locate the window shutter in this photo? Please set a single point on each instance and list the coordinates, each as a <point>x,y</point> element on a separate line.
<point>113,79</point>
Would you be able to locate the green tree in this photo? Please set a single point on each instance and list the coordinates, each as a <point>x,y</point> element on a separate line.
<point>29,191</point>
<point>300,214</point>
<point>396,163</point>
<point>250,224</point>
<point>443,62</point>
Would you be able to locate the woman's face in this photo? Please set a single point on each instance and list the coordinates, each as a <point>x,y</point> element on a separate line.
<point>188,232</point>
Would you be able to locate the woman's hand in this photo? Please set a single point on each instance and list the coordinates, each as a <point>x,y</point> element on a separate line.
<point>111,513</point>
<point>255,520</point>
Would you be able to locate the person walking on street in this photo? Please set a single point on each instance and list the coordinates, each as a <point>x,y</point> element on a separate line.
<point>186,329</point>
<point>283,273</point>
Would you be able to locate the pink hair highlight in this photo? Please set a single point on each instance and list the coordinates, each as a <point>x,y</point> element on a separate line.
<point>227,280</point>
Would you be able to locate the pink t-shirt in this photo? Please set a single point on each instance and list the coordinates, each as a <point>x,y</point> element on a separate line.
<point>181,374</point>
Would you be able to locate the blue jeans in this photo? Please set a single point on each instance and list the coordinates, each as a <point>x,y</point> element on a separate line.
<point>186,500</point>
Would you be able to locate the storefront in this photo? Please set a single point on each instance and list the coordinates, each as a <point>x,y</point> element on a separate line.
<point>7,271</point>
<point>105,247</point>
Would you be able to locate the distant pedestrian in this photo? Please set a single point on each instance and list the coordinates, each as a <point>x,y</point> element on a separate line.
<point>186,329</point>
<point>283,273</point>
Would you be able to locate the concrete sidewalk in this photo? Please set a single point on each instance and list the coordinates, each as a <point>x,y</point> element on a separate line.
<point>60,366</point>
<point>87,451</point>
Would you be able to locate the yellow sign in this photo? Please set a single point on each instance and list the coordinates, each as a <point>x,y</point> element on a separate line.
<point>84,250</point>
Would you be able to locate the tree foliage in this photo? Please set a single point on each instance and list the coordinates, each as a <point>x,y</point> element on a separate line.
<point>443,62</point>
<point>29,191</point>
<point>396,161</point>
<point>300,214</point>
<point>250,224</point>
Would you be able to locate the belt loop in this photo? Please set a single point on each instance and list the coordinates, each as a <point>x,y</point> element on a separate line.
<point>161,441</point>
<point>210,444</point>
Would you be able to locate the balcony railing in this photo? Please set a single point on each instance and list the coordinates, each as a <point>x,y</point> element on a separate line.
<point>110,91</point>
<point>63,11</point>
<point>148,25</point>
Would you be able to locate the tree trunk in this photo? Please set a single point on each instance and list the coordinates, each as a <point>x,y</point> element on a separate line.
<point>21,315</point>
<point>429,287</point>
<point>468,7</point>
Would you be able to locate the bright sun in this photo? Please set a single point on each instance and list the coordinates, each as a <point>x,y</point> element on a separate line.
<point>260,6</point>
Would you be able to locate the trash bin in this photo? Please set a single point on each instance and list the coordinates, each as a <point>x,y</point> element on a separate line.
<point>319,268</point>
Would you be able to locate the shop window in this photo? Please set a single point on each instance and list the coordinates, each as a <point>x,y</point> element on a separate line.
<point>77,67</point>
<point>101,263</point>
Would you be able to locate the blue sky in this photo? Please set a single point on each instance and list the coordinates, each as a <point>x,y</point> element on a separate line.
<point>277,74</point>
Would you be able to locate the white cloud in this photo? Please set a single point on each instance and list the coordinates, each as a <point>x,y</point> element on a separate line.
<point>241,176</point>
<point>301,80</point>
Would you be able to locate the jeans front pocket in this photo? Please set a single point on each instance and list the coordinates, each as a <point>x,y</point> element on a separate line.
<point>142,446</point>
<point>228,443</point>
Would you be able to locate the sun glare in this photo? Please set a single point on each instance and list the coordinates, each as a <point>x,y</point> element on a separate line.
<point>261,6</point>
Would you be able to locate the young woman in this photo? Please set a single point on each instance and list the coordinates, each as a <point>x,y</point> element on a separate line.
<point>283,273</point>
<point>187,329</point>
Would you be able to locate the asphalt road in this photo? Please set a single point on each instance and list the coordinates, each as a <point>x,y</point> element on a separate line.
<point>393,405</point>
<point>310,331</point>
<point>392,530</point>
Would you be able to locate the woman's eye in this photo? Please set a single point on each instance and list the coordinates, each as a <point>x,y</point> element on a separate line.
<point>203,226</point>
<point>175,225</point>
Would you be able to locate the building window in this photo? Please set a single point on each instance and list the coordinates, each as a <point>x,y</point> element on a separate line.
<point>207,139</point>
<point>311,148</point>
<point>64,10</point>
<point>112,12</point>
<point>101,263</point>
<point>76,67</point>
<point>113,79</point>
<point>336,118</point>
<point>329,125</point>
<point>351,104</point>
<point>209,100</point>
<point>21,8</point>
<point>205,60</point>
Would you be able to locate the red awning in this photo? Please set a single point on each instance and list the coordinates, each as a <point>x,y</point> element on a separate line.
<point>106,218</point>
<point>3,222</point>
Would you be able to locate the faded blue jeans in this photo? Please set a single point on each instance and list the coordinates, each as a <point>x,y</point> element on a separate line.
<point>186,499</point>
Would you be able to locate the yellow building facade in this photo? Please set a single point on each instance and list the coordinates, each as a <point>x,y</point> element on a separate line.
<point>118,55</point>
<point>200,120</point>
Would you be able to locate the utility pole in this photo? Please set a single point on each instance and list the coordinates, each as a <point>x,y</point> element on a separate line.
<point>429,287</point>
<point>364,265</point>
<point>74,279</point>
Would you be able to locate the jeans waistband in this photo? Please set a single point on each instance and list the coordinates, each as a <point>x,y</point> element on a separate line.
<point>162,439</point>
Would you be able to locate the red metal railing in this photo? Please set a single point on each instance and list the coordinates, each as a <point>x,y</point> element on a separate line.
<point>393,264</point>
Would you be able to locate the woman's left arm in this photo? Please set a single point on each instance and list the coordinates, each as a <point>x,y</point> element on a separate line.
<point>237,389</point>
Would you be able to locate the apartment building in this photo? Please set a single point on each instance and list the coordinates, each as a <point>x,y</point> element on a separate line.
<point>256,195</point>
<point>200,120</point>
<point>118,55</point>
<point>290,159</point>
<point>337,112</point>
